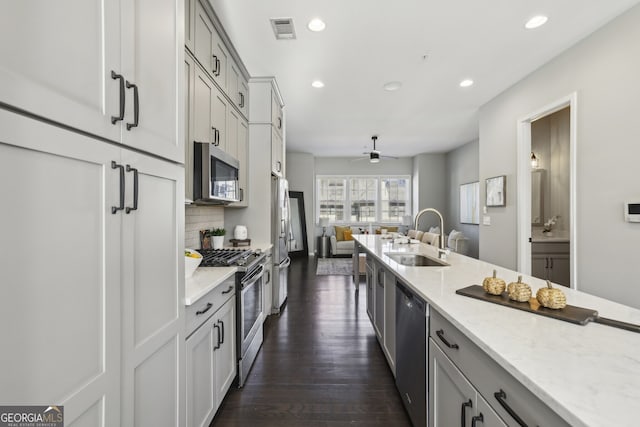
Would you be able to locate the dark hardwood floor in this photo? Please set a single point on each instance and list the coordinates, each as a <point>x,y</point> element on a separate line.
<point>320,364</point>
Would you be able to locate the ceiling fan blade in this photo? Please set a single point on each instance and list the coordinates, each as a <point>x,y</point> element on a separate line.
<point>389,157</point>
<point>358,159</point>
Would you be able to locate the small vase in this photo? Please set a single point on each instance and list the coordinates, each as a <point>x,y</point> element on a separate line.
<point>218,242</point>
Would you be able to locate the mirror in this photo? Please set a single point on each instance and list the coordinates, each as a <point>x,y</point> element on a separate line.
<point>469,203</point>
<point>537,200</point>
<point>298,237</point>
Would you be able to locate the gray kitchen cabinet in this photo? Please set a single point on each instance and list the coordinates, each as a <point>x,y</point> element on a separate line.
<point>370,274</point>
<point>189,79</point>
<point>211,361</point>
<point>238,88</point>
<point>204,38</point>
<point>116,305</point>
<point>378,315</point>
<point>277,153</point>
<point>511,401</point>
<point>551,261</point>
<point>117,80</point>
<point>210,110</point>
<point>389,340</point>
<point>453,401</point>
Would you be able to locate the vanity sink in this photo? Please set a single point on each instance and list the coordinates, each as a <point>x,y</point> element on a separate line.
<point>415,260</point>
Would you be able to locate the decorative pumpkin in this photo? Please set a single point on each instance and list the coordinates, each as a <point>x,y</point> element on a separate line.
<point>551,297</point>
<point>494,285</point>
<point>519,291</point>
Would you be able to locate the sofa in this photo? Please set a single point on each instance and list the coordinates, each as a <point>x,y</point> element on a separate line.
<point>455,241</point>
<point>342,241</point>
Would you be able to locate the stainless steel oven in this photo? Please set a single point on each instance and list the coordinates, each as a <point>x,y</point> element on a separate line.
<point>250,313</point>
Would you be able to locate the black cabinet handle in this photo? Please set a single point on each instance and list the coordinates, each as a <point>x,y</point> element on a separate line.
<point>279,122</point>
<point>546,263</point>
<point>215,325</point>
<point>477,418</point>
<point>115,209</point>
<point>242,194</point>
<point>440,334</point>
<point>229,289</point>
<point>207,308</point>
<point>116,76</point>
<point>217,137</point>
<point>222,326</point>
<point>500,397</point>
<point>551,263</point>
<point>135,189</point>
<point>218,67</point>
<point>241,99</point>
<point>136,106</point>
<point>215,65</point>
<point>463,415</point>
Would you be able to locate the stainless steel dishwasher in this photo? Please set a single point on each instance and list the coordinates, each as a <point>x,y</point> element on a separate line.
<point>411,353</point>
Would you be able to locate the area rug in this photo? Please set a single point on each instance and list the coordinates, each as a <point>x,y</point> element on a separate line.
<point>334,266</point>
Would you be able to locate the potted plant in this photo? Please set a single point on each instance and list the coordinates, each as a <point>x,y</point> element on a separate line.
<point>217,237</point>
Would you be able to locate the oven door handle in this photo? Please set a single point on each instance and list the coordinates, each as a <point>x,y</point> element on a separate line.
<point>286,263</point>
<point>254,277</point>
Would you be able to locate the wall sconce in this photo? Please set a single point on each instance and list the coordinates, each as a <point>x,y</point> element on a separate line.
<point>534,161</point>
<point>324,222</point>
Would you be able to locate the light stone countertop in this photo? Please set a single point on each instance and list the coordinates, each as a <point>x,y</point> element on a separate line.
<point>204,279</point>
<point>589,375</point>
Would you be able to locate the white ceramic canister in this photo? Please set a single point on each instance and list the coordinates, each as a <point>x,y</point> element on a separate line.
<point>240,232</point>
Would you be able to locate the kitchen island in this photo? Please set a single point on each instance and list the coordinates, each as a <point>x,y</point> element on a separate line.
<point>588,375</point>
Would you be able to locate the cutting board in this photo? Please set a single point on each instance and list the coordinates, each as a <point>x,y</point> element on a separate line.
<point>570,313</point>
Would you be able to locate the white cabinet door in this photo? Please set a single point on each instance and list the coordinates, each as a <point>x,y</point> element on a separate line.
<point>390,319</point>
<point>189,23</point>
<point>243,158</point>
<point>233,122</point>
<point>220,112</point>
<point>151,58</point>
<point>277,166</point>
<point>201,401</point>
<point>485,416</point>
<point>189,78</point>
<point>233,80</point>
<point>203,94</point>
<point>378,314</point>
<point>225,365</point>
<point>204,38</point>
<point>243,89</point>
<point>370,290</point>
<point>59,310</point>
<point>56,60</point>
<point>450,394</point>
<point>153,292</point>
<point>221,59</point>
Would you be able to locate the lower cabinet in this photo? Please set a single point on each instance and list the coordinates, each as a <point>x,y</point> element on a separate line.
<point>465,382</point>
<point>211,364</point>
<point>381,307</point>
<point>453,400</point>
<point>551,261</point>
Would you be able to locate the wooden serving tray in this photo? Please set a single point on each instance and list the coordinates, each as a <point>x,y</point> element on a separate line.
<point>570,313</point>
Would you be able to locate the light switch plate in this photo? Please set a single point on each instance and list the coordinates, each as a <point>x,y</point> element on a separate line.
<point>486,220</point>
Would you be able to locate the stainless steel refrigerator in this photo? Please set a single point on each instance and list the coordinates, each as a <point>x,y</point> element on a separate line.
<point>281,229</point>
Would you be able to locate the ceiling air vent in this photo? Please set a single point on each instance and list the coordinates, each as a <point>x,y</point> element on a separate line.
<point>283,28</point>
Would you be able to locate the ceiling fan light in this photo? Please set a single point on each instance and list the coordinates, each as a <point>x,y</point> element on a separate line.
<point>374,157</point>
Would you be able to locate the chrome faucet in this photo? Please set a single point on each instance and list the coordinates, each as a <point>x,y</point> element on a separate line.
<point>442,252</point>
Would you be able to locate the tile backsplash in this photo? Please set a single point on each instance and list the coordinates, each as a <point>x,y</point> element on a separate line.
<point>199,218</point>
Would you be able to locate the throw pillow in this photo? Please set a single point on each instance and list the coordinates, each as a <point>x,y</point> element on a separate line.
<point>392,229</point>
<point>419,235</point>
<point>340,232</point>
<point>348,235</point>
<point>453,236</point>
<point>435,230</point>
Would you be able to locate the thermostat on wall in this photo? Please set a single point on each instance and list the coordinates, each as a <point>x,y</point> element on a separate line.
<point>632,212</point>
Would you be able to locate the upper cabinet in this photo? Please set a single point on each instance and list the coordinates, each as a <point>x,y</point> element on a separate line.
<point>266,110</point>
<point>218,93</point>
<point>119,90</point>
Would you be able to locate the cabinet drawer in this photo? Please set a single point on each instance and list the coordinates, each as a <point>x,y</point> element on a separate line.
<point>201,310</point>
<point>550,248</point>
<point>503,393</point>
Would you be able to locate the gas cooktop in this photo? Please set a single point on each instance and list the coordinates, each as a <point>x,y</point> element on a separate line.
<point>243,258</point>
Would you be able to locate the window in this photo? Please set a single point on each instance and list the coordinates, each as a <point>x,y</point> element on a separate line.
<point>363,199</point>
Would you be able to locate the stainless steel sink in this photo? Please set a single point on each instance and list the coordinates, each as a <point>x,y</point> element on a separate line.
<point>415,260</point>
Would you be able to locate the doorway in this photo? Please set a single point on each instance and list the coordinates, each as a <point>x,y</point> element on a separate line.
<point>547,192</point>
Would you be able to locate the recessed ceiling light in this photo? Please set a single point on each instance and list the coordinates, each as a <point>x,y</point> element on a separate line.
<point>391,86</point>
<point>466,83</point>
<point>316,24</point>
<point>317,84</point>
<point>535,22</point>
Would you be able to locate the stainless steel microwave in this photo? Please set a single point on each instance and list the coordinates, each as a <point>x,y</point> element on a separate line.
<point>215,176</point>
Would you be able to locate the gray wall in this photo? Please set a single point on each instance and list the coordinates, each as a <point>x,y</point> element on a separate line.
<point>603,69</point>
<point>429,188</point>
<point>462,168</point>
<point>300,174</point>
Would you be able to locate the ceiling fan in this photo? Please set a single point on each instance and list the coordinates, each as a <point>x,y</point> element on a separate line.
<point>374,155</point>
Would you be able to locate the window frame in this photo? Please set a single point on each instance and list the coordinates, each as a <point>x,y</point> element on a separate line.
<point>378,201</point>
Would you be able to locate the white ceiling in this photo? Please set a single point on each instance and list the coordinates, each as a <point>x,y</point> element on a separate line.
<point>370,42</point>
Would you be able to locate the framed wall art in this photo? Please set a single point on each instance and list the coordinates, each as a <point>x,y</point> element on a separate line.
<point>470,203</point>
<point>496,191</point>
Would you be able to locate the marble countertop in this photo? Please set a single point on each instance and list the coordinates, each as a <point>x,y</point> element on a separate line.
<point>204,279</point>
<point>589,375</point>
<point>554,237</point>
